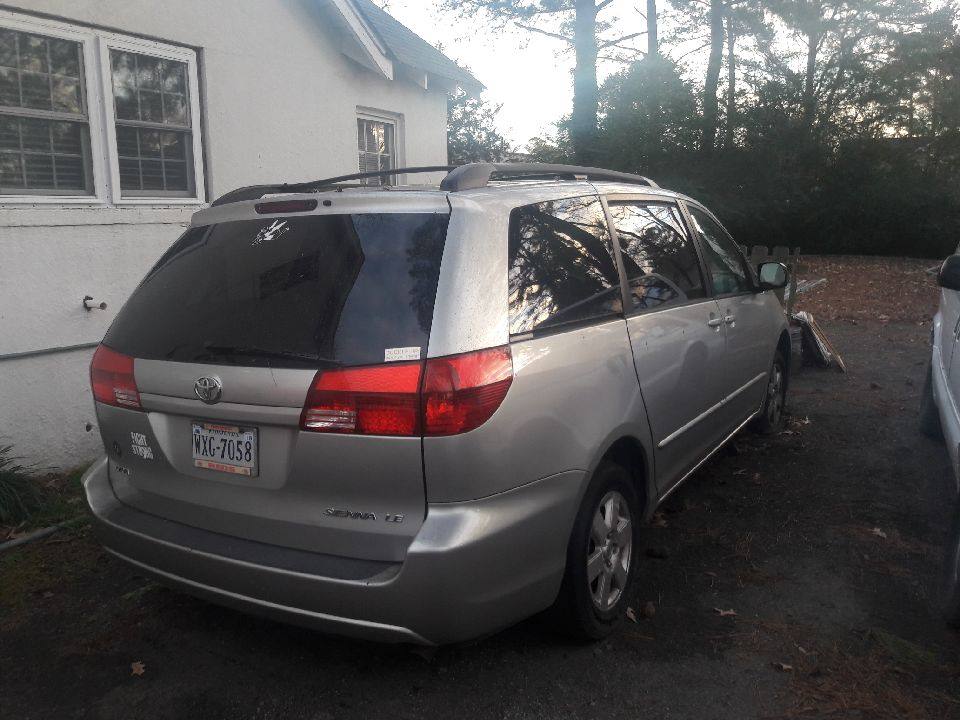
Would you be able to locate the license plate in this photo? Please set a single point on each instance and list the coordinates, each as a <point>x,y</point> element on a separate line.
<point>225,448</point>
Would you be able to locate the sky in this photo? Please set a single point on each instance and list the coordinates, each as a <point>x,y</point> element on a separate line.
<point>528,74</point>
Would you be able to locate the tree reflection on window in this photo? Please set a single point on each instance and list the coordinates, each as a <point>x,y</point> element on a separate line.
<point>723,258</point>
<point>660,261</point>
<point>561,267</point>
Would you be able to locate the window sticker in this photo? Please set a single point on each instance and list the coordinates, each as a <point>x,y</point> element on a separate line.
<point>403,353</point>
<point>271,232</point>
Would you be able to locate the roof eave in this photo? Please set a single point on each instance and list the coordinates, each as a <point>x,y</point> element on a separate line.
<point>361,43</point>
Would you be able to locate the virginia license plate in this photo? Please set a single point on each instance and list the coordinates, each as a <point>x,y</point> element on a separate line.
<point>226,448</point>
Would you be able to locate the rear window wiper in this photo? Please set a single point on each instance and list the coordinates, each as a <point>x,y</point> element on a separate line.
<point>228,350</point>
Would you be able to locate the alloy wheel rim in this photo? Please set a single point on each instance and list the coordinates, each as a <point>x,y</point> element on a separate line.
<point>775,395</point>
<point>609,550</point>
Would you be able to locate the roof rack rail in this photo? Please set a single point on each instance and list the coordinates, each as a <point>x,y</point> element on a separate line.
<point>463,177</point>
<point>255,192</point>
<point>478,175</point>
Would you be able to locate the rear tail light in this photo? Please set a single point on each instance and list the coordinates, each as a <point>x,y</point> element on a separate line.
<point>377,400</point>
<point>461,392</point>
<point>457,394</point>
<point>111,376</point>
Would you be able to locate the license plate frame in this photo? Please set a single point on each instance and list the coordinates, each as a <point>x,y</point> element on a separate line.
<point>218,458</point>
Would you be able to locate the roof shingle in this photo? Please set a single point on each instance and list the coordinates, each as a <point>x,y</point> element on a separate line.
<point>410,49</point>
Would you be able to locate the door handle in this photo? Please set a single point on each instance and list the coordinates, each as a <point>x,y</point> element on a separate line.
<point>714,322</point>
<point>729,319</point>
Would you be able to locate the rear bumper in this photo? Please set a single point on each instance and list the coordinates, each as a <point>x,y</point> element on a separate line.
<point>473,568</point>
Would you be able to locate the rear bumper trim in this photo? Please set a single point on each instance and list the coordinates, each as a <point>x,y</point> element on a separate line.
<point>317,620</point>
<point>473,568</point>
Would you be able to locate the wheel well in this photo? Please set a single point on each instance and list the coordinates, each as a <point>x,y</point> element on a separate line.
<point>786,349</point>
<point>629,454</point>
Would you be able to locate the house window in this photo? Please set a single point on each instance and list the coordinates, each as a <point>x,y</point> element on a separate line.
<point>44,128</point>
<point>376,141</point>
<point>90,117</point>
<point>153,130</point>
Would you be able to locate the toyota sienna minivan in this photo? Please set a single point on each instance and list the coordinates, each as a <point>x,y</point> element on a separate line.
<point>421,414</point>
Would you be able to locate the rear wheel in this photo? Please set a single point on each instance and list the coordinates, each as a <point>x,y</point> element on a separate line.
<point>601,556</point>
<point>929,415</point>
<point>770,419</point>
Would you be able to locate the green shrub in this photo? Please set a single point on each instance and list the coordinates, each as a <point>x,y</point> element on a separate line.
<point>20,495</point>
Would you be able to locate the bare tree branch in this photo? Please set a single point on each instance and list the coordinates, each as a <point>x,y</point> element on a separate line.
<point>554,35</point>
<point>616,41</point>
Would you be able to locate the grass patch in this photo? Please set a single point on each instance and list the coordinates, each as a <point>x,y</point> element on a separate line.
<point>31,500</point>
<point>63,499</point>
<point>902,651</point>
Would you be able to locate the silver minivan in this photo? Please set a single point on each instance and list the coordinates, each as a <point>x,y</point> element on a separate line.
<point>421,414</point>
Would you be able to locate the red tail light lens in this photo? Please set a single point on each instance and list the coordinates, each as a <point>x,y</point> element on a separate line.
<point>111,376</point>
<point>376,400</point>
<point>461,392</point>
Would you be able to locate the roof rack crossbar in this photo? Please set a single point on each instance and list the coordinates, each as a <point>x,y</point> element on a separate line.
<point>479,175</point>
<point>255,192</point>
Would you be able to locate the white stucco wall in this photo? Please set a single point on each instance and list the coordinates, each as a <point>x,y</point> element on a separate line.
<point>279,103</point>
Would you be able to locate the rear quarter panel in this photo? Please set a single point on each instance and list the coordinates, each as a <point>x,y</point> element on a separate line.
<point>573,394</point>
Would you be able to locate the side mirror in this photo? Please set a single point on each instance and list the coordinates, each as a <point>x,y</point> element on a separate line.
<point>949,276</point>
<point>773,275</point>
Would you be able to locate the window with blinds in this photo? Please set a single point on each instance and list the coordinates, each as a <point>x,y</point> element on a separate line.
<point>44,128</point>
<point>153,125</point>
<point>377,145</point>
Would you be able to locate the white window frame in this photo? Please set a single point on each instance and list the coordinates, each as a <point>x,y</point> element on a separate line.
<point>98,86</point>
<point>110,41</point>
<point>399,139</point>
<point>52,28</point>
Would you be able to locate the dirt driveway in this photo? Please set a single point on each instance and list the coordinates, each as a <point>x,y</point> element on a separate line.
<point>825,541</point>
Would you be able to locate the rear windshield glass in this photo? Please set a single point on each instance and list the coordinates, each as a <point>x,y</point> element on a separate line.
<point>290,292</point>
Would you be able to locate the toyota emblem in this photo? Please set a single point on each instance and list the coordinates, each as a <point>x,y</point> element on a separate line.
<point>208,389</point>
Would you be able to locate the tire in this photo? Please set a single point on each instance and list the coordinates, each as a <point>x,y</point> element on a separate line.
<point>771,417</point>
<point>929,415</point>
<point>950,583</point>
<point>586,609</point>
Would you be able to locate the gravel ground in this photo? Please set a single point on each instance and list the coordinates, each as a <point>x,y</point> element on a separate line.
<point>825,541</point>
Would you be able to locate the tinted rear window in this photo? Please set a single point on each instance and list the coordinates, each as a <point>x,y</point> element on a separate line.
<point>289,292</point>
<point>561,265</point>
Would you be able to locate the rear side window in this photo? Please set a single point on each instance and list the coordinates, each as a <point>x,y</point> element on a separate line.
<point>290,292</point>
<point>561,266</point>
<point>659,258</point>
<point>724,261</point>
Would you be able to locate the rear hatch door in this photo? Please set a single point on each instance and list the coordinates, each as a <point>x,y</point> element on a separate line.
<point>228,331</point>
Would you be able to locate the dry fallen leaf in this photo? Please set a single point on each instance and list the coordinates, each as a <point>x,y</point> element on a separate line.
<point>783,667</point>
<point>658,520</point>
<point>879,533</point>
<point>725,613</point>
<point>649,609</point>
<point>137,668</point>
<point>631,614</point>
